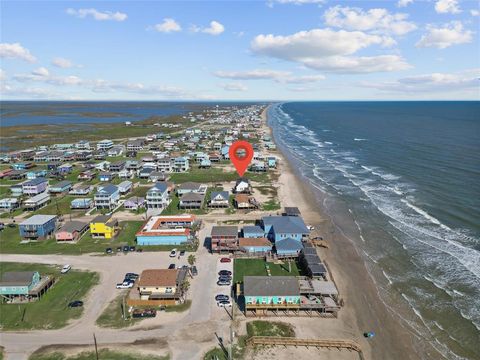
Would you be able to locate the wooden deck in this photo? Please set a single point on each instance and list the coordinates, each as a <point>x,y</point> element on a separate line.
<point>318,343</point>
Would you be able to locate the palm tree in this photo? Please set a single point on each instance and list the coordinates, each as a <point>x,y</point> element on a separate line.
<point>191,259</point>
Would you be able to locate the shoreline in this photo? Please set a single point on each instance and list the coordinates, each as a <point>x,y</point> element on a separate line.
<point>363,310</point>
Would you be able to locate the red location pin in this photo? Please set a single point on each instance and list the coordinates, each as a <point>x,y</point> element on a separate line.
<point>241,153</point>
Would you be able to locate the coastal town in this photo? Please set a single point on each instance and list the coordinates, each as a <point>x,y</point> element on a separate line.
<point>157,243</point>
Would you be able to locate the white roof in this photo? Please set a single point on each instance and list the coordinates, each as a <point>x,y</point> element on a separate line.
<point>38,220</point>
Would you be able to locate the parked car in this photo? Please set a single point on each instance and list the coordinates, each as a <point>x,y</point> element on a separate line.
<point>126,248</point>
<point>173,253</point>
<point>125,285</point>
<point>2,226</point>
<point>225,272</point>
<point>139,250</point>
<point>108,250</point>
<point>225,260</point>
<point>76,303</point>
<point>131,277</point>
<point>224,303</point>
<point>310,227</point>
<point>65,269</point>
<point>222,282</point>
<point>12,225</point>
<point>171,266</point>
<point>221,297</point>
<point>182,252</point>
<point>194,271</point>
<point>132,248</point>
<point>119,248</point>
<point>145,313</point>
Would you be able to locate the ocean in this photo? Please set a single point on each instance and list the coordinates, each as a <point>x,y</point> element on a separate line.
<point>406,176</point>
<point>14,113</point>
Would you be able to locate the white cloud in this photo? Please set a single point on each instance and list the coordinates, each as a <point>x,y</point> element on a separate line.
<point>448,35</point>
<point>62,63</point>
<point>16,51</point>
<point>234,87</point>
<point>360,64</point>
<point>447,6</point>
<point>329,50</point>
<point>257,74</point>
<point>43,75</point>
<point>41,71</point>
<point>404,3</point>
<point>380,20</point>
<point>265,74</point>
<point>297,2</point>
<point>97,15</point>
<point>3,75</point>
<point>215,28</point>
<point>167,26</point>
<point>475,12</point>
<point>467,80</point>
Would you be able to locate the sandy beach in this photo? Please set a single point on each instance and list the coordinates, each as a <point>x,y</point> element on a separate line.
<point>363,310</point>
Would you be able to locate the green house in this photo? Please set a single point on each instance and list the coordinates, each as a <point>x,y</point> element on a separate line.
<point>271,291</point>
<point>18,282</point>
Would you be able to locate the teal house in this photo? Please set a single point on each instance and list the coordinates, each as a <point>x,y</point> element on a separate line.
<point>18,283</point>
<point>263,292</point>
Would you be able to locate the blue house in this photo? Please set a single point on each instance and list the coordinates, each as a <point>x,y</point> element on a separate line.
<point>288,247</point>
<point>225,153</point>
<point>38,227</point>
<point>253,232</point>
<point>61,187</point>
<point>283,227</point>
<point>36,174</point>
<point>18,283</point>
<point>272,162</point>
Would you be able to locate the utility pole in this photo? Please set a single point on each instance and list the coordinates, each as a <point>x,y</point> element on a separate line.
<point>230,348</point>
<point>96,349</point>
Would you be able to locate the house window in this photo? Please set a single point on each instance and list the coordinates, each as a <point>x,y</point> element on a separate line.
<point>264,300</point>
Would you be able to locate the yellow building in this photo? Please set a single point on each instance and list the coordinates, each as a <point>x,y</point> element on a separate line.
<point>103,227</point>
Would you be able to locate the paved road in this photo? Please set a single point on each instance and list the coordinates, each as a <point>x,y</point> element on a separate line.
<point>194,329</point>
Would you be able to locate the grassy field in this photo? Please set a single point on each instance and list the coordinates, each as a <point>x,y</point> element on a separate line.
<point>269,328</point>
<point>10,242</point>
<point>112,316</point>
<point>71,286</point>
<point>102,354</point>
<point>271,205</point>
<point>215,174</point>
<point>257,267</point>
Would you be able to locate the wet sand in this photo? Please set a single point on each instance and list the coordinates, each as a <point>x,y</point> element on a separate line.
<point>363,310</point>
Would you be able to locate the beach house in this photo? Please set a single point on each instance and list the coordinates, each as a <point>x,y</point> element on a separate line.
<point>107,197</point>
<point>38,227</point>
<point>125,186</point>
<point>23,286</point>
<point>158,287</point>
<point>271,292</point>
<point>157,196</point>
<point>191,200</point>
<point>36,202</point>
<point>224,238</point>
<point>71,231</point>
<point>104,227</point>
<point>282,227</point>
<point>9,204</point>
<point>104,145</point>
<point>61,187</point>
<point>219,199</point>
<point>81,204</point>
<point>34,186</point>
<point>134,203</point>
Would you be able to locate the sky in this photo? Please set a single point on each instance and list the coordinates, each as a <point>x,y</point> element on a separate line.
<point>240,50</point>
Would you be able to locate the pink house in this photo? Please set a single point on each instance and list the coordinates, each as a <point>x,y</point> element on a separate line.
<point>71,231</point>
